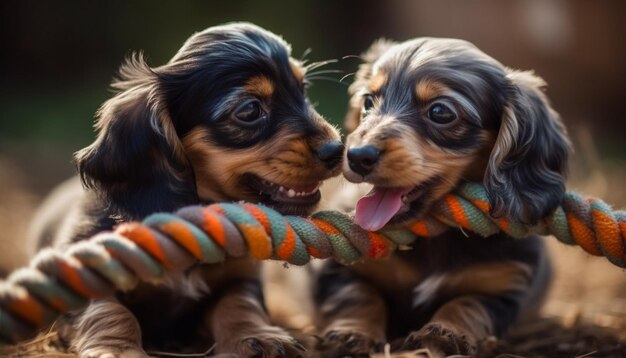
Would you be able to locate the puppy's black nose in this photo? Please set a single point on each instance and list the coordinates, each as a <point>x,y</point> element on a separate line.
<point>363,159</point>
<point>330,153</point>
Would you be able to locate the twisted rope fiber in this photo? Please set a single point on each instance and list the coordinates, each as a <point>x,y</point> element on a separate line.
<point>59,281</point>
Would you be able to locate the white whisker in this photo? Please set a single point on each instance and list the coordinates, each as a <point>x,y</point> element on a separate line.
<point>346,76</point>
<point>304,55</point>
<point>319,64</point>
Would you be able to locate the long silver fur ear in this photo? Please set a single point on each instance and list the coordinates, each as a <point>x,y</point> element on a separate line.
<point>373,53</point>
<point>525,177</point>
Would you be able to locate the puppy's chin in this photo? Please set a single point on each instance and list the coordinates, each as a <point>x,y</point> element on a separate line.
<point>301,199</point>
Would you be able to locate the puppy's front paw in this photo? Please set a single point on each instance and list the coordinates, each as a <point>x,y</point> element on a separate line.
<point>441,339</point>
<point>340,343</point>
<point>269,342</point>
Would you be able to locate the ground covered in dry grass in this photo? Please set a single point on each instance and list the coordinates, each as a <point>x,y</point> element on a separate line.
<point>548,337</point>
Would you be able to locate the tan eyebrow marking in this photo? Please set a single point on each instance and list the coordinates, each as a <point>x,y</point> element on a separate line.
<point>377,82</point>
<point>427,89</point>
<point>260,86</point>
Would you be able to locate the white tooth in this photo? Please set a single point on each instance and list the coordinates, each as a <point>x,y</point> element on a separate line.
<point>281,189</point>
<point>291,193</point>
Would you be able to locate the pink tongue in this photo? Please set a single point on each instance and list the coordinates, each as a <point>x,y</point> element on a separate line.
<point>375,209</point>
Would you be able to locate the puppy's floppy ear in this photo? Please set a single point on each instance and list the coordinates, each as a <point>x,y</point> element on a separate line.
<point>135,160</point>
<point>525,178</point>
<point>362,76</point>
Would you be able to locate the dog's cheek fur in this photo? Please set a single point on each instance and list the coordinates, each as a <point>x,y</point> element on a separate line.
<point>525,178</point>
<point>286,158</point>
<point>408,158</point>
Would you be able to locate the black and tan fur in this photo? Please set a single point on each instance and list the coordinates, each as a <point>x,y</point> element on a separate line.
<point>450,293</point>
<point>226,119</point>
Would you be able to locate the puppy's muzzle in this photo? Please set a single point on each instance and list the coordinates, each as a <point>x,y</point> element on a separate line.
<point>362,160</point>
<point>330,153</point>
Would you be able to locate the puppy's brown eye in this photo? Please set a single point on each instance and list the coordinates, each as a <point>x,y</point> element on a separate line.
<point>368,103</point>
<point>441,114</point>
<point>250,112</point>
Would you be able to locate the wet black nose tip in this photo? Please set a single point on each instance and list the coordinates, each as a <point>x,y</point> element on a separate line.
<point>330,153</point>
<point>363,159</point>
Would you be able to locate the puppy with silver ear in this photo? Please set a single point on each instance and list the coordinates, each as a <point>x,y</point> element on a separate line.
<point>426,115</point>
<point>226,119</point>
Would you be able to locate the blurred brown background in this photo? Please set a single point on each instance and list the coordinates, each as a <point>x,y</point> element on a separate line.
<point>57,59</point>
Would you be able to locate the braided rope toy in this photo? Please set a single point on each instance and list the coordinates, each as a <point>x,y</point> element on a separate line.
<point>60,281</point>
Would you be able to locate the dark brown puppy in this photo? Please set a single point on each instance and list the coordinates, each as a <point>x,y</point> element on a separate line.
<point>427,114</point>
<point>225,119</point>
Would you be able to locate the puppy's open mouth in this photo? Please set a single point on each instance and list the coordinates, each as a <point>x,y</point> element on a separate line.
<point>382,206</point>
<point>291,200</point>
